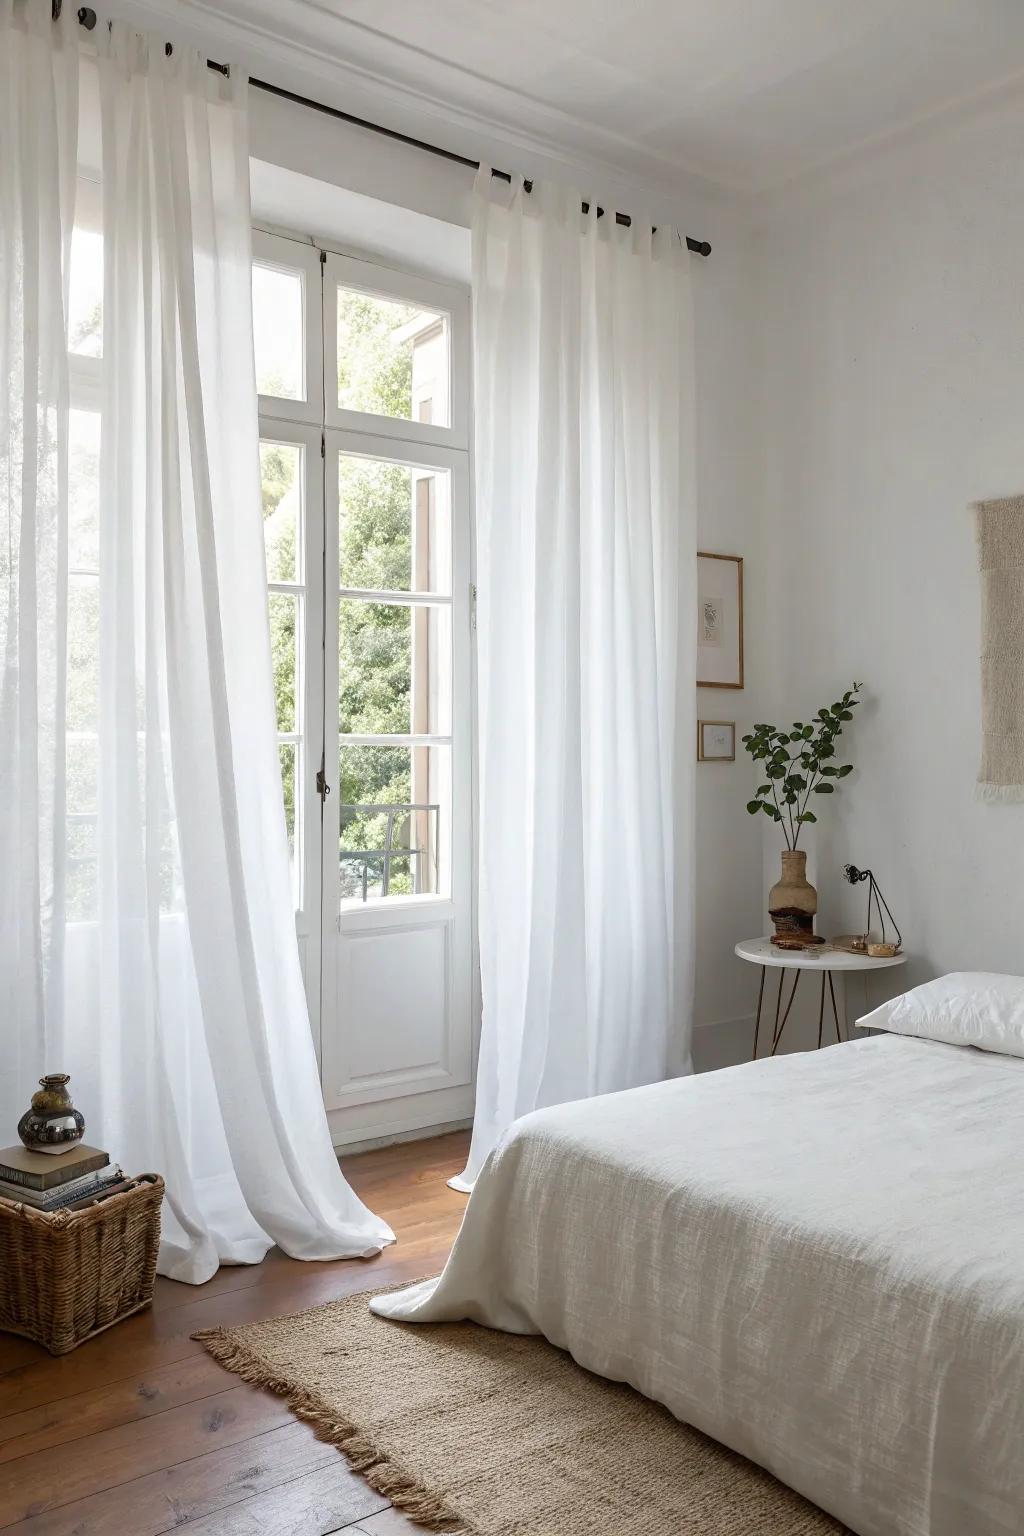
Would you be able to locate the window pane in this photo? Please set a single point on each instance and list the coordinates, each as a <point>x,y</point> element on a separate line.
<point>278,332</point>
<point>281,486</point>
<point>85,296</point>
<point>83,490</point>
<point>83,653</point>
<point>395,810</point>
<point>82,759</point>
<point>289,751</point>
<point>82,875</point>
<point>395,672</point>
<point>395,526</point>
<point>392,358</point>
<point>284,638</point>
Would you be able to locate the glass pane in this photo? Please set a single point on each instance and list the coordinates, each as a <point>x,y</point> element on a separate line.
<point>289,752</point>
<point>395,526</point>
<point>85,296</point>
<point>392,358</point>
<point>83,490</point>
<point>278,332</point>
<point>82,757</point>
<point>395,809</point>
<point>284,640</point>
<point>82,874</point>
<point>281,487</point>
<point>395,669</point>
<point>83,653</point>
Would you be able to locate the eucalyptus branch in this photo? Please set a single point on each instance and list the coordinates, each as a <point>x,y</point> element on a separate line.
<point>797,765</point>
<point>781,819</point>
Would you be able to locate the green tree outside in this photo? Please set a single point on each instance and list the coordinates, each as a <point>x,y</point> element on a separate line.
<point>375,544</point>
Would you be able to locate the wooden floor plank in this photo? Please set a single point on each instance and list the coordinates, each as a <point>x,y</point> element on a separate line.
<point>169,1499</point>
<point>137,1412</point>
<point>44,1480</point>
<point>87,1413</point>
<point>317,1504</point>
<point>390,1522</point>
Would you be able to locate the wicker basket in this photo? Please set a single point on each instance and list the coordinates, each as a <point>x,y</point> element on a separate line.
<point>65,1277</point>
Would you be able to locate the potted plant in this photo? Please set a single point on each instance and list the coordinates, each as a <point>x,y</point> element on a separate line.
<point>798,764</point>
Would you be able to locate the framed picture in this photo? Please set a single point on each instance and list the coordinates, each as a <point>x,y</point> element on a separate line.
<point>719,621</point>
<point>716,741</point>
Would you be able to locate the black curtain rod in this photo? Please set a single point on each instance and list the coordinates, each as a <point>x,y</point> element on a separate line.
<point>87,18</point>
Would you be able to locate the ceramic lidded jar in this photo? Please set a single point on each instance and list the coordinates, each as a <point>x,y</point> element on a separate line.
<point>53,1124</point>
<point>793,901</point>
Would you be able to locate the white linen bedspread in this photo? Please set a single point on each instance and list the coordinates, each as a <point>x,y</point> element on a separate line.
<point>816,1259</point>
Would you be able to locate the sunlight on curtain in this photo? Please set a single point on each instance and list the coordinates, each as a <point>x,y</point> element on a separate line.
<point>586,548</point>
<point>168,982</point>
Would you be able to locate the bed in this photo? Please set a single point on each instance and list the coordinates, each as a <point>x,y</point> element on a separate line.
<point>817,1259</point>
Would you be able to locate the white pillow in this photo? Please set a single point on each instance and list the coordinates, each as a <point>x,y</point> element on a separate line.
<point>980,1008</point>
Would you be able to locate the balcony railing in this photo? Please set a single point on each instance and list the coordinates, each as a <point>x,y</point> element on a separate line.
<point>422,862</point>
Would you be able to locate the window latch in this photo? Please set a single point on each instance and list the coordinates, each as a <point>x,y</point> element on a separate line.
<point>323,789</point>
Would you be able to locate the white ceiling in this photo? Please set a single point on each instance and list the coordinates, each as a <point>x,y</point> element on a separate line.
<point>748,93</point>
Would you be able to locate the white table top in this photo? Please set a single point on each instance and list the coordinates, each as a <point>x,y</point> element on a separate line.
<point>822,958</point>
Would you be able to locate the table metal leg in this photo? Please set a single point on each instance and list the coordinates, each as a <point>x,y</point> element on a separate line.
<point>757,1020</point>
<point>789,1005</point>
<point>821,1008</point>
<point>835,1010</point>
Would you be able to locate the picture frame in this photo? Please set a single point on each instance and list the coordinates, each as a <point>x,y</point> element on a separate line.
<point>719,620</point>
<point>716,741</point>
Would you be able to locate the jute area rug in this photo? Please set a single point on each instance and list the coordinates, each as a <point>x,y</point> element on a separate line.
<point>487,1434</point>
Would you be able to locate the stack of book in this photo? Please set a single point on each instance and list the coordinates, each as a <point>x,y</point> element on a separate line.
<point>67,1182</point>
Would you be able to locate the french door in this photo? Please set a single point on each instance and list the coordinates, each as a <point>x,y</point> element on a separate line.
<point>363,377</point>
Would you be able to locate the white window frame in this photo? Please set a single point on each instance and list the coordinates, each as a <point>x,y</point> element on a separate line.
<point>308,732</point>
<point>402,288</point>
<point>327,431</point>
<point>286,254</point>
<point>459,832</point>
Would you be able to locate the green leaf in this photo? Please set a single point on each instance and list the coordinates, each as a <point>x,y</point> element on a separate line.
<point>753,806</point>
<point>844,714</point>
<point>807,816</point>
<point>824,789</point>
<point>764,789</point>
<point>844,770</point>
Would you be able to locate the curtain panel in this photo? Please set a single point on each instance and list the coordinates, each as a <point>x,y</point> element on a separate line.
<point>179,1007</point>
<point>586,563</point>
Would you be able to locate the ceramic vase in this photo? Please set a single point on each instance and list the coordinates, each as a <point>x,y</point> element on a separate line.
<point>53,1124</point>
<point>793,901</point>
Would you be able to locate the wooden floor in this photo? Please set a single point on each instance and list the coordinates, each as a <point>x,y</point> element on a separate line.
<point>139,1431</point>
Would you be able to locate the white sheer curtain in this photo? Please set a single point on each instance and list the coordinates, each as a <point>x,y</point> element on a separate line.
<point>179,1008</point>
<point>586,558</point>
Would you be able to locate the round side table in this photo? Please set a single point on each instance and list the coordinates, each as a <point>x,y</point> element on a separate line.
<point>823,959</point>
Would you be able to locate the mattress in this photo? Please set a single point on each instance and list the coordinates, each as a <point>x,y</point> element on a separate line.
<point>817,1259</point>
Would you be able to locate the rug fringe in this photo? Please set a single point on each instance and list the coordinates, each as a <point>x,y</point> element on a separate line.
<point>361,1452</point>
<point>996,794</point>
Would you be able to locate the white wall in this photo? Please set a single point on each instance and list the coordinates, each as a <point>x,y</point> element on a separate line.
<point>890,383</point>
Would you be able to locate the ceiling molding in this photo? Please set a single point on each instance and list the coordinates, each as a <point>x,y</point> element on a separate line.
<point>944,117</point>
<point>357,63</point>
